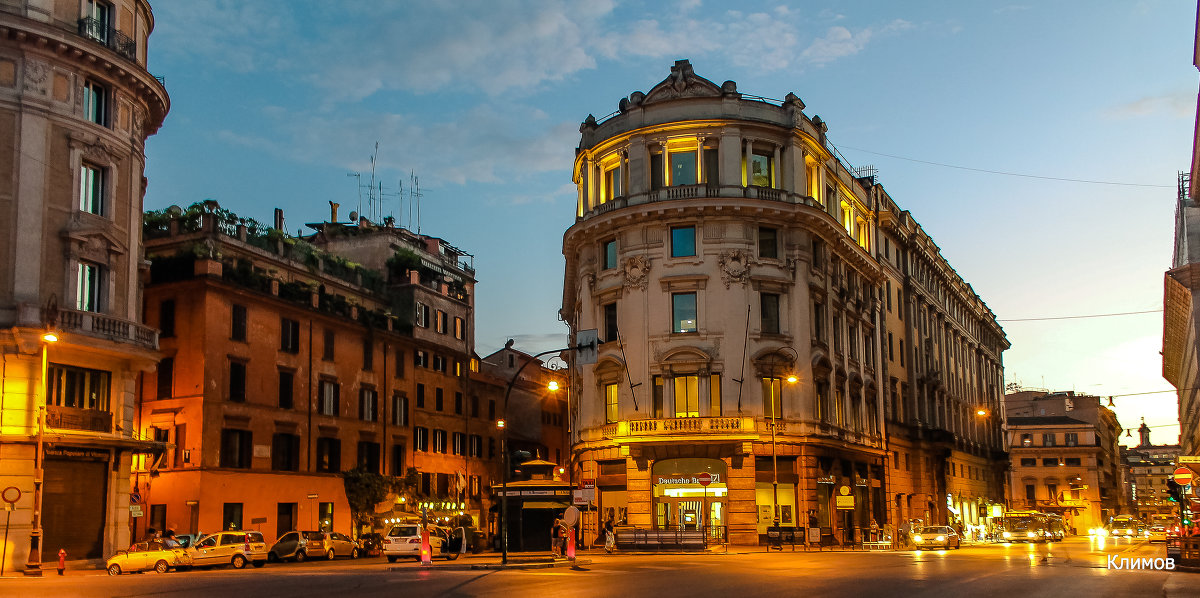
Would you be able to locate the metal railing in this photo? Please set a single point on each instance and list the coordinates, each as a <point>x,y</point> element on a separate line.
<point>679,425</point>
<point>73,418</point>
<point>101,32</point>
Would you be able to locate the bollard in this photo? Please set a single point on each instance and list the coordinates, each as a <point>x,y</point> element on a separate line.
<point>571,544</point>
<point>426,552</point>
<point>62,560</point>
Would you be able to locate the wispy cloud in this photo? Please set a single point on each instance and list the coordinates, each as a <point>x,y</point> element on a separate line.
<point>839,42</point>
<point>1179,104</point>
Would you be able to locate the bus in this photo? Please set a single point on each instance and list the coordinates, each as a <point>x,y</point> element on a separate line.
<point>1024,526</point>
<point>1125,525</point>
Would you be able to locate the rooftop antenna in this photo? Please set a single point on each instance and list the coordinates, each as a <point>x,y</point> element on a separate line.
<point>414,192</point>
<point>371,203</point>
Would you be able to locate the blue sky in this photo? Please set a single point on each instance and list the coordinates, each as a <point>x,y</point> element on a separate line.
<point>274,102</point>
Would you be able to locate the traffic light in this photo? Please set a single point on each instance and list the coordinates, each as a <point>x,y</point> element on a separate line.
<point>1175,491</point>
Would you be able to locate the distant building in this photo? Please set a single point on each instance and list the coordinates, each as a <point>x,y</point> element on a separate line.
<point>286,363</point>
<point>1065,458</point>
<point>1150,466</point>
<point>77,107</point>
<point>751,293</point>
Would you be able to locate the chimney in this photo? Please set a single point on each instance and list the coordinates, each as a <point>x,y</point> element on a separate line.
<point>333,211</point>
<point>278,219</point>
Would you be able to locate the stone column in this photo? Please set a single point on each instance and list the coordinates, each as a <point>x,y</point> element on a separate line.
<point>775,167</point>
<point>741,504</point>
<point>746,154</point>
<point>638,492</point>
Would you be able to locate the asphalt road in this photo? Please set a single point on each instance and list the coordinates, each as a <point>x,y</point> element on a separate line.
<point>1008,571</point>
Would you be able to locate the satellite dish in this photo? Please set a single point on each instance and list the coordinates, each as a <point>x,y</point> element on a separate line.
<point>353,216</point>
<point>571,516</point>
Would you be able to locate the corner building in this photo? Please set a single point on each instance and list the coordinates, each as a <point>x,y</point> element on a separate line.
<point>730,264</point>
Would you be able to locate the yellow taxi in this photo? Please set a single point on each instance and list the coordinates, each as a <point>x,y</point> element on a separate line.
<point>146,556</point>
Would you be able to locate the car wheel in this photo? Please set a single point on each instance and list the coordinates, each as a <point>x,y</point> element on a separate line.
<point>392,559</point>
<point>238,561</point>
<point>114,570</point>
<point>272,557</point>
<point>259,564</point>
<point>329,554</point>
<point>452,556</point>
<point>353,553</point>
<point>300,556</point>
<point>161,567</point>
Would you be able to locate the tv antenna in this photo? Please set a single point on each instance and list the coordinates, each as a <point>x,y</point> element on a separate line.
<point>414,196</point>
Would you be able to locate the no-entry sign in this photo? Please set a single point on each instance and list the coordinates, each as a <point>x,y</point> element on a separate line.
<point>1183,476</point>
<point>704,479</point>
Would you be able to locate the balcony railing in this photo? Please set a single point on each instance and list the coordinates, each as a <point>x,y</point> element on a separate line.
<point>679,426</point>
<point>107,327</point>
<point>72,418</point>
<point>100,32</point>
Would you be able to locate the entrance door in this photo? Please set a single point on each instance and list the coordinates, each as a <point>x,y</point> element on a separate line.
<point>285,518</point>
<point>73,505</point>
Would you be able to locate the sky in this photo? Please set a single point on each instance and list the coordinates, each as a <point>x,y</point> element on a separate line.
<point>973,113</point>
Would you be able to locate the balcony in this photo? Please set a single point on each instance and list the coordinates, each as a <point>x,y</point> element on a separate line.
<point>640,430</point>
<point>107,327</point>
<point>72,418</point>
<point>109,37</point>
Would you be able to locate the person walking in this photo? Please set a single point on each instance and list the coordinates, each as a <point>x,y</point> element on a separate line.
<point>555,532</point>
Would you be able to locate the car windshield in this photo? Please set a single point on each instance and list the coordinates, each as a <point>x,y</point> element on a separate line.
<point>403,530</point>
<point>933,530</point>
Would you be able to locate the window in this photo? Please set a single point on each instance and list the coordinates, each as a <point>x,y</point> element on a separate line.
<point>772,389</point>
<point>89,280</point>
<point>399,410</point>
<point>368,404</point>
<point>768,242</point>
<point>683,241</point>
<point>1047,439</point>
<point>166,318</point>
<point>97,19</point>
<point>289,335</point>
<point>439,363</point>
<point>329,345</point>
<point>714,394</point>
<point>439,321</point>
<point>891,354</point>
<point>769,313</point>
<point>421,360</point>
<point>368,456</point>
<point>761,170</point>
<point>368,355</point>
<point>439,441</point>
<point>166,377</point>
<point>1072,439</point>
<point>285,452</point>
<point>1072,461</point>
<point>420,439</point>
<point>325,515</point>
<point>1030,493</point>
<point>330,397</point>
<point>80,388</point>
<point>437,398</point>
<point>287,381</point>
<point>683,167</point>
<point>231,518</point>
<point>399,364</point>
<point>492,409</point>
<point>1050,462</point>
<point>237,381</point>
<point>683,312</point>
<point>459,444</point>
<point>1028,462</point>
<point>612,183</point>
<point>610,403</point>
<point>474,405</point>
<point>610,322</point>
<point>475,445</point>
<point>422,315</point>
<point>158,516</point>
<point>235,448</point>
<point>610,254</point>
<point>95,103</point>
<point>329,455</point>
<point>687,402</point>
<point>397,459</point>
<point>92,189</point>
<point>819,320</point>
<point>1052,490</point>
<point>460,328</point>
<point>238,323</point>
<point>458,403</point>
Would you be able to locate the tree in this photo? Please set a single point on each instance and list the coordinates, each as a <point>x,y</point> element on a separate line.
<point>364,490</point>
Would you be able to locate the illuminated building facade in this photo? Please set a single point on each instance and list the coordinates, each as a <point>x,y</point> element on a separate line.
<point>1149,468</point>
<point>732,267</point>
<point>76,106</point>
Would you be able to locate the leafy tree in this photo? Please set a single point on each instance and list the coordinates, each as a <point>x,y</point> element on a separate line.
<point>364,490</point>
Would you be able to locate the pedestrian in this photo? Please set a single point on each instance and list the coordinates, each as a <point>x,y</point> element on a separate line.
<point>555,529</point>
<point>905,533</point>
<point>610,540</point>
<point>874,530</point>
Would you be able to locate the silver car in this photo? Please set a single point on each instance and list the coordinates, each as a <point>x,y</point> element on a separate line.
<point>936,536</point>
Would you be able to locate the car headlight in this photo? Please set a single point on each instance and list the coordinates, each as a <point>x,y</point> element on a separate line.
<point>1030,534</point>
<point>917,539</point>
<point>1007,534</point>
<point>941,538</point>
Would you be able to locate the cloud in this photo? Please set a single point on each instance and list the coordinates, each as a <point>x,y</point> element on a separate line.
<point>840,42</point>
<point>1179,104</point>
<point>1011,8</point>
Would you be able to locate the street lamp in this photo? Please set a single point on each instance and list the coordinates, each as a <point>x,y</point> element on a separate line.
<point>791,378</point>
<point>33,562</point>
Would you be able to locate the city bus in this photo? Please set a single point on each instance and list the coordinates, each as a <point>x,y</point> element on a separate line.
<point>1024,526</point>
<point>1124,525</point>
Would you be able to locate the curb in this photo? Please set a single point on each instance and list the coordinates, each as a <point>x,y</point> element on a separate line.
<point>500,567</point>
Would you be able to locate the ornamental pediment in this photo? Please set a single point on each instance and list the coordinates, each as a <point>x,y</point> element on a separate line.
<point>92,243</point>
<point>684,83</point>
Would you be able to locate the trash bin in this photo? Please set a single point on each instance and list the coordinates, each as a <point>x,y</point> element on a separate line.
<point>775,537</point>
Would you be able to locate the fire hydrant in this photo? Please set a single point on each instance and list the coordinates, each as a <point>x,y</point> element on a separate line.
<point>62,560</point>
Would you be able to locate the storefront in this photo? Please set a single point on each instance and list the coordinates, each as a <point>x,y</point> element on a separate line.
<point>75,501</point>
<point>690,494</point>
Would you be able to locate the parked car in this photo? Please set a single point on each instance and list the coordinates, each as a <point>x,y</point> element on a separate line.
<point>292,546</point>
<point>1157,533</point>
<point>404,541</point>
<point>230,548</point>
<point>938,536</point>
<point>330,545</point>
<point>147,556</point>
<point>372,544</point>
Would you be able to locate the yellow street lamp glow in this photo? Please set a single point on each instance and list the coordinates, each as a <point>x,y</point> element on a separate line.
<point>553,385</point>
<point>50,337</point>
<point>981,412</point>
<point>792,378</point>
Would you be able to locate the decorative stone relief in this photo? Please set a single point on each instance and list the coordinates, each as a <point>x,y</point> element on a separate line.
<point>637,272</point>
<point>96,151</point>
<point>139,122</point>
<point>36,74</point>
<point>735,266</point>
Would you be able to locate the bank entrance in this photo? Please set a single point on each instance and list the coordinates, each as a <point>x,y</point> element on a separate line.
<point>682,502</point>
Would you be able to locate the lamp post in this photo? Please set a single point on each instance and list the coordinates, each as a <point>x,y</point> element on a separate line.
<point>503,425</point>
<point>33,562</point>
<point>791,378</point>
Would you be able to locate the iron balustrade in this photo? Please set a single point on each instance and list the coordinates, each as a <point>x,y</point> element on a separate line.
<point>74,418</point>
<point>109,36</point>
<point>673,426</point>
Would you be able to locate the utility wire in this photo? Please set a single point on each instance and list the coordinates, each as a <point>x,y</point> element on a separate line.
<point>1016,174</point>
<point>1124,313</point>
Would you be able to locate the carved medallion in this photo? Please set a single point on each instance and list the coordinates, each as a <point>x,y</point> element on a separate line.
<point>36,74</point>
<point>637,272</point>
<point>735,266</point>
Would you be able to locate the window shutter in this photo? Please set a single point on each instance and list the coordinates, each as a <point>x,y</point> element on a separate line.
<point>337,399</point>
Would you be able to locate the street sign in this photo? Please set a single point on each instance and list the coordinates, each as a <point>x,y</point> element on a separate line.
<point>587,346</point>
<point>586,483</point>
<point>135,498</point>
<point>135,510</point>
<point>312,496</point>
<point>1183,476</point>
<point>704,478</point>
<point>571,516</point>
<point>1189,459</point>
<point>577,498</point>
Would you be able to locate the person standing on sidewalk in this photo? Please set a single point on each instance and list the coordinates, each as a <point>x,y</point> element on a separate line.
<point>555,533</point>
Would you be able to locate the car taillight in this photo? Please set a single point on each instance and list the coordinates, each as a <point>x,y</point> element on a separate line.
<point>414,541</point>
<point>387,540</point>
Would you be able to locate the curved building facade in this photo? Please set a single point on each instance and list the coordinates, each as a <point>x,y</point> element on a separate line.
<point>732,268</point>
<point>76,106</point>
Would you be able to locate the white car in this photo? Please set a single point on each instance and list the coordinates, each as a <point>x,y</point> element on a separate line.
<point>404,541</point>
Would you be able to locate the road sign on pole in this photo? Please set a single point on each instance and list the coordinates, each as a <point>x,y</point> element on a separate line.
<point>1183,476</point>
<point>587,346</point>
<point>1189,459</point>
<point>704,478</point>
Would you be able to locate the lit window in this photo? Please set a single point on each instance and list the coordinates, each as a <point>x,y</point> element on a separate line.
<point>612,184</point>
<point>683,167</point>
<point>610,403</point>
<point>683,311</point>
<point>683,241</point>
<point>772,389</point>
<point>89,278</point>
<point>687,402</point>
<point>761,174</point>
<point>91,189</point>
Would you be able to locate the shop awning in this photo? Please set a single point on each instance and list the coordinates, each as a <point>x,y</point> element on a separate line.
<point>544,505</point>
